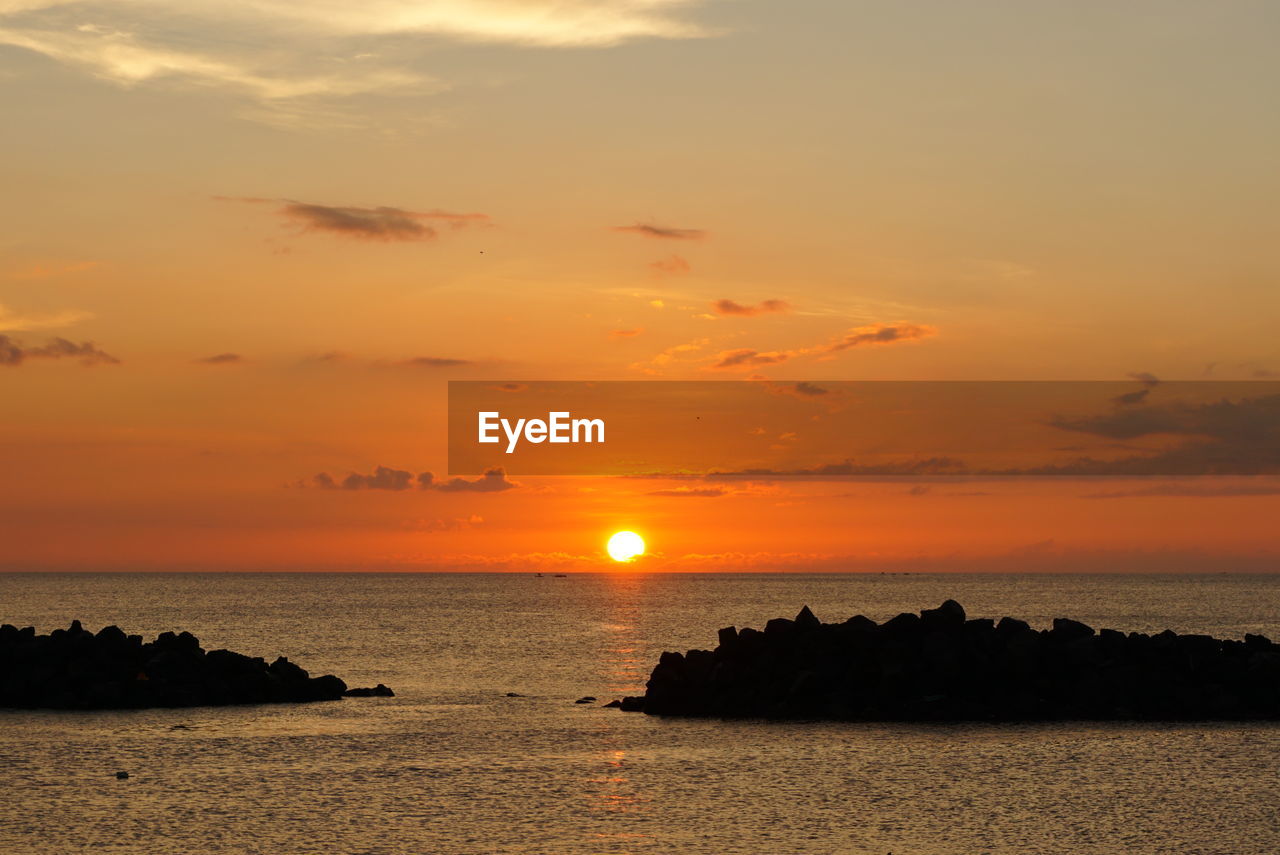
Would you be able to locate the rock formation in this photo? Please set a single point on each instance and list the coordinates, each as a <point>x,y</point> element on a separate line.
<point>77,669</point>
<point>939,666</point>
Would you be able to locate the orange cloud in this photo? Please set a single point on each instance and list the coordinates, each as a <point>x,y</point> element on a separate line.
<point>662,232</point>
<point>221,359</point>
<point>50,270</point>
<point>690,492</point>
<point>626,333</point>
<point>745,357</point>
<point>878,334</point>
<point>729,307</point>
<point>872,334</point>
<point>672,265</point>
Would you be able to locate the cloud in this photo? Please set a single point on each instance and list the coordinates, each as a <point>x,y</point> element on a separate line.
<point>870,335</point>
<point>454,524</point>
<point>1129,399</point>
<point>1189,490</point>
<point>809,390</point>
<point>745,357</point>
<point>876,334</point>
<point>690,492</point>
<point>397,480</point>
<point>221,359</point>
<point>626,333</point>
<point>1224,437</point>
<point>298,59</point>
<point>662,232</point>
<point>433,362</point>
<point>14,353</point>
<point>376,224</point>
<point>672,265</point>
<point>492,481</point>
<point>729,307</point>
<point>14,322</point>
<point>915,467</point>
<point>49,270</point>
<point>670,355</point>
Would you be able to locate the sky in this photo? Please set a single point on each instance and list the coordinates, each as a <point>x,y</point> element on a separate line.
<point>246,243</point>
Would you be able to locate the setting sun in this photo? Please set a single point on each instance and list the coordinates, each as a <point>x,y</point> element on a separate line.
<point>625,545</point>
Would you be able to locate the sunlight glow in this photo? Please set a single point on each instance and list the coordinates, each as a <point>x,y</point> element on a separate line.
<point>625,545</point>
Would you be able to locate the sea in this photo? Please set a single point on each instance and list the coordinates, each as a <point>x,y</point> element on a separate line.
<point>484,750</point>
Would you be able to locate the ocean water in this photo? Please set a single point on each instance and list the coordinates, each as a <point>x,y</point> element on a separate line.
<point>452,765</point>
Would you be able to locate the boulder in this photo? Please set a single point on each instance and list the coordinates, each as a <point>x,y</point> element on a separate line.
<point>76,669</point>
<point>939,665</point>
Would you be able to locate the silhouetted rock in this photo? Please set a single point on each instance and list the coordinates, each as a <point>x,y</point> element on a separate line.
<point>940,666</point>
<point>75,669</point>
<point>378,691</point>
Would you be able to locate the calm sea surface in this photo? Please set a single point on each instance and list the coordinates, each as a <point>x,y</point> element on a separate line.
<point>452,765</point>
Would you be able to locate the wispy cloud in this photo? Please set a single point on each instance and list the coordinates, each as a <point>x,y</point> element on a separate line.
<point>873,334</point>
<point>745,357</point>
<point>626,333</point>
<point>51,269</point>
<point>672,265</point>
<point>12,321</point>
<point>729,307</point>
<point>433,362</point>
<point>383,223</point>
<point>221,359</point>
<point>870,335</point>
<point>288,55</point>
<point>13,353</point>
<point>669,356</point>
<point>1192,490</point>
<point>690,493</point>
<point>651,230</point>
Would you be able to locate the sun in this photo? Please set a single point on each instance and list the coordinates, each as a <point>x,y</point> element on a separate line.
<point>625,545</point>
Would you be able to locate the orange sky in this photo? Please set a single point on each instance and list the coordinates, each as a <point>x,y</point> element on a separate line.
<point>251,243</point>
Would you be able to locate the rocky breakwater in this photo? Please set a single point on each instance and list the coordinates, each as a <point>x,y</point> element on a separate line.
<point>940,666</point>
<point>77,669</point>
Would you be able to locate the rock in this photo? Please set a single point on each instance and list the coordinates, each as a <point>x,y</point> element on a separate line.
<point>940,666</point>
<point>514,695</point>
<point>806,619</point>
<point>614,704</point>
<point>378,691</point>
<point>75,669</point>
<point>948,615</point>
<point>860,623</point>
<point>122,776</point>
<point>1066,629</point>
<point>904,623</point>
<point>779,626</point>
<point>585,700</point>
